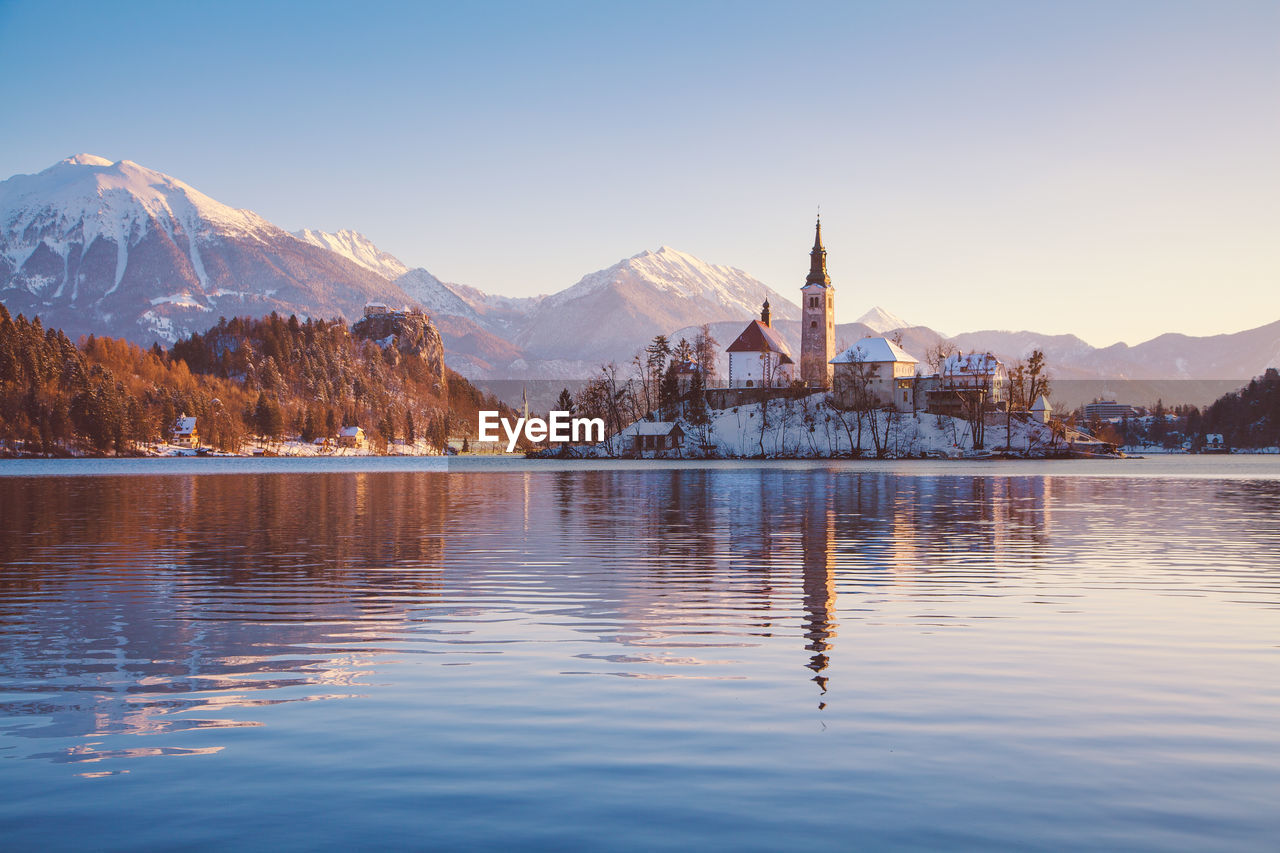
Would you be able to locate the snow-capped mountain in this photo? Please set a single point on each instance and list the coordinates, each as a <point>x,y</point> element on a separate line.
<point>354,246</point>
<point>116,248</point>
<point>615,311</point>
<point>433,295</point>
<point>881,321</point>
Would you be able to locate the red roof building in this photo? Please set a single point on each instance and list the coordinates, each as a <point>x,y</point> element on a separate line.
<point>758,358</point>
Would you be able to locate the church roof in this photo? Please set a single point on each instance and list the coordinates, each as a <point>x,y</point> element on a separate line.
<point>757,337</point>
<point>870,350</point>
<point>818,261</point>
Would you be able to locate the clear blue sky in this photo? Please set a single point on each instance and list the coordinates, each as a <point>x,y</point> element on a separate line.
<point>1105,168</point>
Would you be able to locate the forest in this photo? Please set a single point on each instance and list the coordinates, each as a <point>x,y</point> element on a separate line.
<point>244,380</point>
<point>1248,418</point>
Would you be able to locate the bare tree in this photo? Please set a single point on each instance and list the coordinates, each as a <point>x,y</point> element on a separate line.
<point>852,399</point>
<point>936,355</point>
<point>704,348</point>
<point>1015,399</point>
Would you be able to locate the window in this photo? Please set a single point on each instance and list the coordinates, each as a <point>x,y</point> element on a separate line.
<point>813,324</point>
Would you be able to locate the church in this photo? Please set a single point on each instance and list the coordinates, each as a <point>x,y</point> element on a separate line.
<point>818,319</point>
<point>759,358</point>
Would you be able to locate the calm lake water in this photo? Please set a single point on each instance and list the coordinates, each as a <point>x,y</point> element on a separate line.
<point>302,654</point>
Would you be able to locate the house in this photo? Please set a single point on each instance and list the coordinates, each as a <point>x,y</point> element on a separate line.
<point>758,358</point>
<point>975,371</point>
<point>351,436</point>
<point>373,309</point>
<point>652,437</point>
<point>877,368</point>
<point>1040,411</point>
<point>185,432</point>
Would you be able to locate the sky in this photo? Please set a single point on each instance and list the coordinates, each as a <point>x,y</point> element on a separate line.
<point>1107,169</point>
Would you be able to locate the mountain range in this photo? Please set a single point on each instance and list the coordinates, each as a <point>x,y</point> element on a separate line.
<point>115,248</point>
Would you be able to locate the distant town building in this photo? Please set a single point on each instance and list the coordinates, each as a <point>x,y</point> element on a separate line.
<point>373,309</point>
<point>185,432</point>
<point>1108,410</point>
<point>878,367</point>
<point>758,358</point>
<point>817,319</point>
<point>351,436</point>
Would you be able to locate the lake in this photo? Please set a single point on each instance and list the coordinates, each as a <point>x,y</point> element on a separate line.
<point>477,654</point>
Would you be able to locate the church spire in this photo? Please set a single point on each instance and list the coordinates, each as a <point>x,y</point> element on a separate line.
<point>818,260</point>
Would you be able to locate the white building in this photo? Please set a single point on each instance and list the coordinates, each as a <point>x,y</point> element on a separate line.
<point>1041,411</point>
<point>878,366</point>
<point>185,432</point>
<point>758,358</point>
<point>351,436</point>
<point>977,371</point>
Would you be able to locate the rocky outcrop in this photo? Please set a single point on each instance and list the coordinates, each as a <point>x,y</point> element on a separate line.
<point>405,334</point>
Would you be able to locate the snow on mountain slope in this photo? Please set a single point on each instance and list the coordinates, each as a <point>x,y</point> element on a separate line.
<point>433,295</point>
<point>611,313</point>
<point>881,321</point>
<point>354,246</point>
<point>116,248</point>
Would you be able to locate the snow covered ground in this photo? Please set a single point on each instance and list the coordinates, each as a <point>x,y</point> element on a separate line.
<point>810,427</point>
<point>297,448</point>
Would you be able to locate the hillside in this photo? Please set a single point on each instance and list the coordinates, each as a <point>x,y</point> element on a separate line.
<point>269,378</point>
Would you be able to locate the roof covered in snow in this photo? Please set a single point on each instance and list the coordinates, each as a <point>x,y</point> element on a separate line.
<point>652,428</point>
<point>870,350</point>
<point>975,363</point>
<point>1041,404</point>
<point>185,425</point>
<point>351,432</point>
<point>757,337</point>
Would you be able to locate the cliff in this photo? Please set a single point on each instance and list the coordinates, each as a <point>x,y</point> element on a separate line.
<point>405,335</point>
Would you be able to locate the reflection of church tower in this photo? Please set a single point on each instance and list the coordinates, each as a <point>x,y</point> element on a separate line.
<point>817,541</point>
<point>818,325</point>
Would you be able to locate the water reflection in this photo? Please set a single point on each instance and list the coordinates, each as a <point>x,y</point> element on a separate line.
<point>166,606</point>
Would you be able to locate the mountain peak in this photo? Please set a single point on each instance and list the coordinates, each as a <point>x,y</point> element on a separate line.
<point>881,321</point>
<point>356,247</point>
<point>87,160</point>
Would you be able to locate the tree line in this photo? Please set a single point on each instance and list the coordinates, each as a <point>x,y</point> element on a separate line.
<point>244,379</point>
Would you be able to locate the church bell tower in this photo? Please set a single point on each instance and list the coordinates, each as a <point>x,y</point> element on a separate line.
<point>818,325</point>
